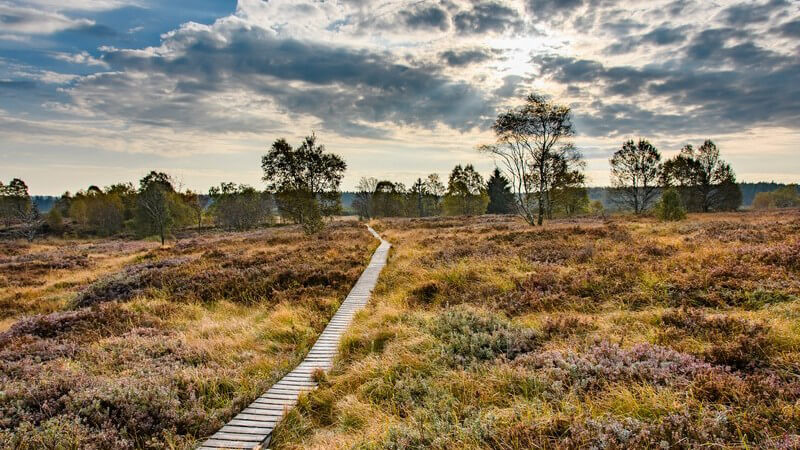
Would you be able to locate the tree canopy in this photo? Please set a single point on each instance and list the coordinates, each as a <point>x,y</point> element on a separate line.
<point>533,144</point>
<point>305,181</point>
<point>704,181</point>
<point>635,175</point>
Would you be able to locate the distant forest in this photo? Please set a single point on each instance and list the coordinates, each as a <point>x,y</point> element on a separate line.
<point>749,191</point>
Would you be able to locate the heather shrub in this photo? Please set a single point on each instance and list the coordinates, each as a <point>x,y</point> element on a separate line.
<point>132,281</point>
<point>736,343</point>
<point>99,321</point>
<point>436,429</point>
<point>564,326</point>
<point>470,336</point>
<point>676,431</point>
<point>605,363</point>
<point>784,255</point>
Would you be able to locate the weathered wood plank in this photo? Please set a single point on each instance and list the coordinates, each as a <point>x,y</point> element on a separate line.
<point>252,428</point>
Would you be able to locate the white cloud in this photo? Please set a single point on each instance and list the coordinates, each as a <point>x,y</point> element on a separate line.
<point>25,20</point>
<point>83,58</point>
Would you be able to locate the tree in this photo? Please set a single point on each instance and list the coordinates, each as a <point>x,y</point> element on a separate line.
<point>533,145</point>
<point>567,194</point>
<point>435,190</point>
<point>571,201</point>
<point>389,199</point>
<point>417,195</point>
<point>105,213</point>
<point>126,193</point>
<point>670,207</point>
<point>239,207</point>
<point>55,221</point>
<point>783,197</point>
<point>501,200</point>
<point>363,199</point>
<point>30,222</point>
<point>159,209</point>
<point>305,181</point>
<point>466,192</point>
<point>15,202</point>
<point>635,174</point>
<point>197,204</point>
<point>704,181</point>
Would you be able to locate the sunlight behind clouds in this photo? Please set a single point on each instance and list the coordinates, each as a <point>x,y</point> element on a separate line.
<point>416,80</point>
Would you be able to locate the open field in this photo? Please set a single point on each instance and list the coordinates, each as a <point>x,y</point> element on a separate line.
<point>120,344</point>
<point>618,333</point>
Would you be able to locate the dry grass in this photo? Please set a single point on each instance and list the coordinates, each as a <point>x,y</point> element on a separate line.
<point>150,347</point>
<point>626,333</point>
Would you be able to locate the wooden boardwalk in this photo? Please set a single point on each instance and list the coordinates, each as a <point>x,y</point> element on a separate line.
<point>252,428</point>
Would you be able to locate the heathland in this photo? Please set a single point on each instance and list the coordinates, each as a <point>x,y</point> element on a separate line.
<point>108,343</point>
<point>621,332</point>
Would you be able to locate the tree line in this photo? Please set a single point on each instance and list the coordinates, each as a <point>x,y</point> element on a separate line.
<point>540,175</point>
<point>302,187</point>
<point>534,146</point>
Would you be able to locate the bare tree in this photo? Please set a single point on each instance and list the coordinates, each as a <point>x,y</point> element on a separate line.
<point>533,145</point>
<point>364,197</point>
<point>30,221</point>
<point>635,174</point>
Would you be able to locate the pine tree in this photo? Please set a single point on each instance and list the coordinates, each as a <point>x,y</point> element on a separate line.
<point>501,200</point>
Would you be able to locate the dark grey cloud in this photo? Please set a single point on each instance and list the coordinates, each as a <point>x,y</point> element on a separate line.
<point>623,27</point>
<point>710,48</point>
<point>790,29</point>
<point>96,30</point>
<point>665,35</point>
<point>465,57</point>
<point>677,7</point>
<point>751,12</point>
<point>763,88</point>
<point>344,88</point>
<point>488,17</point>
<point>549,8</point>
<point>431,17</point>
<point>511,87</point>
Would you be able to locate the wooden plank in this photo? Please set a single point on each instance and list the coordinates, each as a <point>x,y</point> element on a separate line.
<point>256,417</point>
<point>238,437</point>
<point>219,443</point>
<point>262,415</point>
<point>253,423</point>
<point>246,430</point>
<point>277,415</point>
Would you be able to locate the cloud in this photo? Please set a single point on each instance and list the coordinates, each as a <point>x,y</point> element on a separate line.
<point>431,17</point>
<point>510,87</point>
<point>548,8</point>
<point>488,17</point>
<point>344,88</point>
<point>466,57</point>
<point>81,5</point>
<point>790,29</point>
<point>665,35</point>
<point>721,100</point>
<point>749,13</point>
<point>24,20</point>
<point>83,58</point>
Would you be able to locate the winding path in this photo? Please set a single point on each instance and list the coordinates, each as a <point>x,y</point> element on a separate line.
<point>252,428</point>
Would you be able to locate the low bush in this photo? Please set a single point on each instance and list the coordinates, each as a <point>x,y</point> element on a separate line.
<point>470,337</point>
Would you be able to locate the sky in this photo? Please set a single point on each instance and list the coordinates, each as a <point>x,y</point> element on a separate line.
<point>102,91</point>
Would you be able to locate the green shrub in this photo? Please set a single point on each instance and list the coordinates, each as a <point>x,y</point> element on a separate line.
<point>470,336</point>
<point>670,207</point>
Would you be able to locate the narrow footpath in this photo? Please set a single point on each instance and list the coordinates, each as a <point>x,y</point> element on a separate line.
<point>252,428</point>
